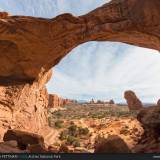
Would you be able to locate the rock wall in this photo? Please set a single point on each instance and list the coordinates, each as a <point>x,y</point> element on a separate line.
<point>24,106</point>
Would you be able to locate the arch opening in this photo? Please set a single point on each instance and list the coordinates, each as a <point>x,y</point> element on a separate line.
<point>104,70</point>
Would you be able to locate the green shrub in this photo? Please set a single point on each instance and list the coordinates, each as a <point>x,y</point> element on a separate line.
<point>63,135</point>
<point>83,131</point>
<point>70,140</point>
<point>76,143</point>
<point>58,114</point>
<point>58,124</point>
<point>73,130</point>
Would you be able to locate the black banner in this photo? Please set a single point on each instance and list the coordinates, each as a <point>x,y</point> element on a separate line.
<point>80,156</point>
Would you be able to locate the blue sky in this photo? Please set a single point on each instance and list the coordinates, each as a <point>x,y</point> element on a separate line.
<point>100,70</point>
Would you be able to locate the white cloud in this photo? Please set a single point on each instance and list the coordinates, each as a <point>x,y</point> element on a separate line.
<point>106,70</point>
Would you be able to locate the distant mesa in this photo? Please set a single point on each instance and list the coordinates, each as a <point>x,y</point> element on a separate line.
<point>56,101</point>
<point>101,102</point>
<point>133,101</point>
<point>111,101</point>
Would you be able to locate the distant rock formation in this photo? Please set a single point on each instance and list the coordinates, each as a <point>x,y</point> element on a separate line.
<point>111,101</point>
<point>112,144</point>
<point>158,103</point>
<point>55,101</point>
<point>132,100</point>
<point>92,101</point>
<point>101,102</point>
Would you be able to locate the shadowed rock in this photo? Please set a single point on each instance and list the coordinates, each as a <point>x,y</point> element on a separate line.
<point>158,103</point>
<point>113,144</point>
<point>150,119</point>
<point>23,139</point>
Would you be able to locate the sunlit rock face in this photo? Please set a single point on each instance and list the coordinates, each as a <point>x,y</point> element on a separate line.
<point>24,106</point>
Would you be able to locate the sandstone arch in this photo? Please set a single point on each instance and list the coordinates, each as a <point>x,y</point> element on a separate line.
<point>41,43</point>
<point>30,47</point>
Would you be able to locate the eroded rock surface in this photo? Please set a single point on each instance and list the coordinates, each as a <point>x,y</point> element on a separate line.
<point>24,106</point>
<point>150,120</point>
<point>134,104</point>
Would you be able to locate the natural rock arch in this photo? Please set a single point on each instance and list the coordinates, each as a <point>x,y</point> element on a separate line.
<point>37,44</point>
<point>30,47</point>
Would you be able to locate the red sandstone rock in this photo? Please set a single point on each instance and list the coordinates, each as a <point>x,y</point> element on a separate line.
<point>111,101</point>
<point>55,101</point>
<point>113,144</point>
<point>134,22</point>
<point>132,100</point>
<point>149,117</point>
<point>63,149</point>
<point>4,15</point>
<point>10,147</point>
<point>36,148</point>
<point>31,46</point>
<point>158,103</point>
<point>23,139</point>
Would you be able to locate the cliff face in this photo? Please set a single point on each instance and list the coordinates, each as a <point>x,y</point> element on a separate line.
<point>56,101</point>
<point>30,46</point>
<point>24,106</point>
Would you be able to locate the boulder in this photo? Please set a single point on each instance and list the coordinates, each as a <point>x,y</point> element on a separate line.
<point>112,144</point>
<point>63,149</point>
<point>24,139</point>
<point>10,147</point>
<point>36,148</point>
<point>134,104</point>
